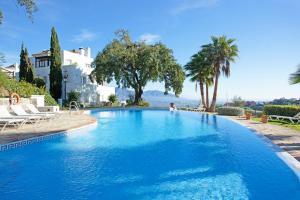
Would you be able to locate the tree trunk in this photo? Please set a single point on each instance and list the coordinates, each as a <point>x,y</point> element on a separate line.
<point>207,97</point>
<point>138,92</point>
<point>214,99</point>
<point>202,93</point>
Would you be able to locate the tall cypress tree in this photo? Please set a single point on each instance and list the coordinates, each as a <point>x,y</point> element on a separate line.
<point>22,73</point>
<point>29,77</point>
<point>55,67</point>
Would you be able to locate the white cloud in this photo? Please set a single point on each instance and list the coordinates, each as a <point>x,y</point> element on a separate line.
<point>187,5</point>
<point>84,36</point>
<point>149,38</point>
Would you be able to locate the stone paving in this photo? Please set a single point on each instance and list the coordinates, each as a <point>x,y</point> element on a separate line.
<point>64,122</point>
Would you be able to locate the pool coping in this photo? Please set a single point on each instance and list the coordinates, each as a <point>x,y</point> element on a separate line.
<point>36,139</point>
<point>40,138</point>
<point>287,158</point>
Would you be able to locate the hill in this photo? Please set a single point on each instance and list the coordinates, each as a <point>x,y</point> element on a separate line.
<point>157,98</point>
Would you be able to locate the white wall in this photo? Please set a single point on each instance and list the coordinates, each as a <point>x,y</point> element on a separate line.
<point>78,67</point>
<point>105,91</point>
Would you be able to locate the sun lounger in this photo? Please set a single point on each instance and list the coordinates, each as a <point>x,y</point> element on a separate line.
<point>19,111</point>
<point>295,119</point>
<point>4,122</point>
<point>35,111</point>
<point>4,113</point>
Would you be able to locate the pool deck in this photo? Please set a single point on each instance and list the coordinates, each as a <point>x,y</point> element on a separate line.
<point>286,138</point>
<point>64,122</point>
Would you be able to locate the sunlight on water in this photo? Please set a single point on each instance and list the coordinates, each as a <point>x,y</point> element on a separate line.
<point>230,186</point>
<point>184,172</point>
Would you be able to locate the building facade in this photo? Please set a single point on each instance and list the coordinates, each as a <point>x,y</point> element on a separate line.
<point>76,68</point>
<point>11,70</point>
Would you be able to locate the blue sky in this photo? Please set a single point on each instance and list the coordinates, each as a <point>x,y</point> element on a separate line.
<point>267,33</point>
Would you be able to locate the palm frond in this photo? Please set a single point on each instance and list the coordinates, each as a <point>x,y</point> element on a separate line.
<point>295,77</point>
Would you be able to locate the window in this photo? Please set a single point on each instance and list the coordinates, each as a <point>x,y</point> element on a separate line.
<point>42,62</point>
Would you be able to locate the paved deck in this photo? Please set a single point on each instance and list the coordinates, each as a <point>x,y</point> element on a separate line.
<point>286,138</point>
<point>63,123</point>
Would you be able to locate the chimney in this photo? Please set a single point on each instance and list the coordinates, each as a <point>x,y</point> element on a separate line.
<point>81,49</point>
<point>88,52</point>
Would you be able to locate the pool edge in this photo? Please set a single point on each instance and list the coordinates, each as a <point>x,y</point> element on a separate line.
<point>36,139</point>
<point>287,158</point>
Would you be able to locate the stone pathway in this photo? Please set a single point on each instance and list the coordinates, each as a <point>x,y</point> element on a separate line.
<point>62,123</point>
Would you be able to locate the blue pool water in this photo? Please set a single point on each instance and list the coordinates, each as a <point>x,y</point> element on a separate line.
<point>149,155</point>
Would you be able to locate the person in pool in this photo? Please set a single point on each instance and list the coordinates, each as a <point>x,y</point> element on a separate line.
<point>172,107</point>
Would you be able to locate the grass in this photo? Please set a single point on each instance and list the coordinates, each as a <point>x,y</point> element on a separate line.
<point>280,123</point>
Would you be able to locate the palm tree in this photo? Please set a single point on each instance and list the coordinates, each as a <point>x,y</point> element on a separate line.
<point>200,70</point>
<point>223,52</point>
<point>295,77</point>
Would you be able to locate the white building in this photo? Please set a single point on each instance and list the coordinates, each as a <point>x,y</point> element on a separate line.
<point>76,66</point>
<point>11,70</point>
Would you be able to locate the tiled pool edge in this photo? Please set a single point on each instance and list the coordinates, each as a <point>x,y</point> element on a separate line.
<point>21,143</point>
<point>292,162</point>
<point>36,139</point>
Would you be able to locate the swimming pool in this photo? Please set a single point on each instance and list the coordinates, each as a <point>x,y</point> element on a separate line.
<point>149,154</point>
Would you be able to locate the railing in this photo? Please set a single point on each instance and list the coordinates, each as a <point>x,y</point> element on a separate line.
<point>73,106</point>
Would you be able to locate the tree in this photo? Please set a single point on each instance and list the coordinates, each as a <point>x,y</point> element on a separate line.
<point>55,67</point>
<point>295,77</point>
<point>200,70</point>
<point>39,82</point>
<point>238,101</point>
<point>134,64</point>
<point>112,98</point>
<point>2,59</point>
<point>29,69</point>
<point>29,5</point>
<point>26,70</point>
<point>22,72</point>
<point>223,52</point>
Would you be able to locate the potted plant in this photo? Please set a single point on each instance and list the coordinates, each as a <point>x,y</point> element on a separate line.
<point>248,115</point>
<point>264,119</point>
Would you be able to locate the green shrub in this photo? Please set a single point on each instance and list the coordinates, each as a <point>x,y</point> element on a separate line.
<point>282,110</point>
<point>258,113</point>
<point>24,89</point>
<point>112,98</point>
<point>230,111</point>
<point>249,110</point>
<point>130,100</point>
<point>39,82</point>
<point>74,96</point>
<point>143,103</point>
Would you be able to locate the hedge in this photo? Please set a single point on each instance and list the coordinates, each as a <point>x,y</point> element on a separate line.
<point>24,89</point>
<point>282,110</point>
<point>230,111</point>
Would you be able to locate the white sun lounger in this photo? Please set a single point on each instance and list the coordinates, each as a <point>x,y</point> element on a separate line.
<point>19,111</point>
<point>295,119</point>
<point>35,111</point>
<point>4,113</point>
<point>4,122</point>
